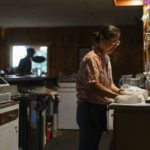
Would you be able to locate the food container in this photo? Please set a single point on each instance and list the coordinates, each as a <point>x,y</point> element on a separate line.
<point>124,82</point>
<point>134,82</point>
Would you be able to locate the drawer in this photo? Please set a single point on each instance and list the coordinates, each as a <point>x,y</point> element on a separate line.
<point>8,116</point>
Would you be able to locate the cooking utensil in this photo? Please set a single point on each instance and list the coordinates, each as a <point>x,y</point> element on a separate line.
<point>38,59</point>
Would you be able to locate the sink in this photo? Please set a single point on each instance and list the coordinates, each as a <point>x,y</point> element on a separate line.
<point>128,99</point>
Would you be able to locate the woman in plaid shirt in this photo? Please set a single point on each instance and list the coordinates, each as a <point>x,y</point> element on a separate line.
<point>95,86</point>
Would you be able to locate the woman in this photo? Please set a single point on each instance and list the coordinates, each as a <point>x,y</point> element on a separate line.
<point>95,86</point>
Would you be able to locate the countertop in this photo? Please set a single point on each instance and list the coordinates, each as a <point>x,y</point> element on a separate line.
<point>11,103</point>
<point>136,106</point>
<point>10,78</point>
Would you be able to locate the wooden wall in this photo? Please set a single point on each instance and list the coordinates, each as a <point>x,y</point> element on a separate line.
<point>64,43</point>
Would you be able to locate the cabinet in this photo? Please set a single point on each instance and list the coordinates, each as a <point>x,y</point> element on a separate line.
<point>9,130</point>
<point>131,129</point>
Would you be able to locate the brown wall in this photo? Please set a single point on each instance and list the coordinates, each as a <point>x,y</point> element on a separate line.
<point>64,43</point>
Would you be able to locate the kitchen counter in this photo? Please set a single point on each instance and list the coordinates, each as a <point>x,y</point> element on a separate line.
<point>136,106</point>
<point>12,78</point>
<point>11,103</point>
<point>131,126</point>
<point>31,80</point>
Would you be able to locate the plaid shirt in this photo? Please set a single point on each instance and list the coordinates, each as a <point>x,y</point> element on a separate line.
<point>94,68</point>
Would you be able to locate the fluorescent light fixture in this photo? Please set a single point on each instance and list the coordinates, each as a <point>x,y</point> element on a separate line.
<point>128,2</point>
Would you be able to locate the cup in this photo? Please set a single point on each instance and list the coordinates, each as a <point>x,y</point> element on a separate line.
<point>38,71</point>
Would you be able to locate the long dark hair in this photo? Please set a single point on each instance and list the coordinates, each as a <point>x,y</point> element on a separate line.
<point>107,31</point>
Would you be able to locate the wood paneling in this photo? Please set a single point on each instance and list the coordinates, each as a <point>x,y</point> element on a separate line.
<point>64,43</point>
<point>128,57</point>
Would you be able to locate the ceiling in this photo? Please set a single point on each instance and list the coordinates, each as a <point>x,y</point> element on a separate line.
<point>61,13</point>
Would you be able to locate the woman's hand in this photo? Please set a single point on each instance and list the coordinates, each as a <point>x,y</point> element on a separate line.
<point>125,93</point>
<point>119,91</point>
<point>100,90</point>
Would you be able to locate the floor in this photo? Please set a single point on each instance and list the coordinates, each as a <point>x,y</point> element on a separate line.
<point>68,140</point>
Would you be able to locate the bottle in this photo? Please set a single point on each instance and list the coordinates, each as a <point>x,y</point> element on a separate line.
<point>39,70</point>
<point>47,133</point>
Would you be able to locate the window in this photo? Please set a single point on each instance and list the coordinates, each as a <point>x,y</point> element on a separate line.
<point>19,52</point>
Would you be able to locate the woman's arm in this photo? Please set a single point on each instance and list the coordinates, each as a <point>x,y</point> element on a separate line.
<point>114,88</point>
<point>100,90</point>
<point>117,90</point>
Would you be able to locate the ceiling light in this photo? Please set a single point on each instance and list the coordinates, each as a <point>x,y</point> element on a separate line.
<point>128,2</point>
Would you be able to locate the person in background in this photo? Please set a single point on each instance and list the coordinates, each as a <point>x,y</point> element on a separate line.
<point>95,87</point>
<point>25,63</point>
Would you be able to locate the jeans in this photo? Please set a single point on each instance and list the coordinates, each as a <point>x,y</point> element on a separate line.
<point>92,121</point>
